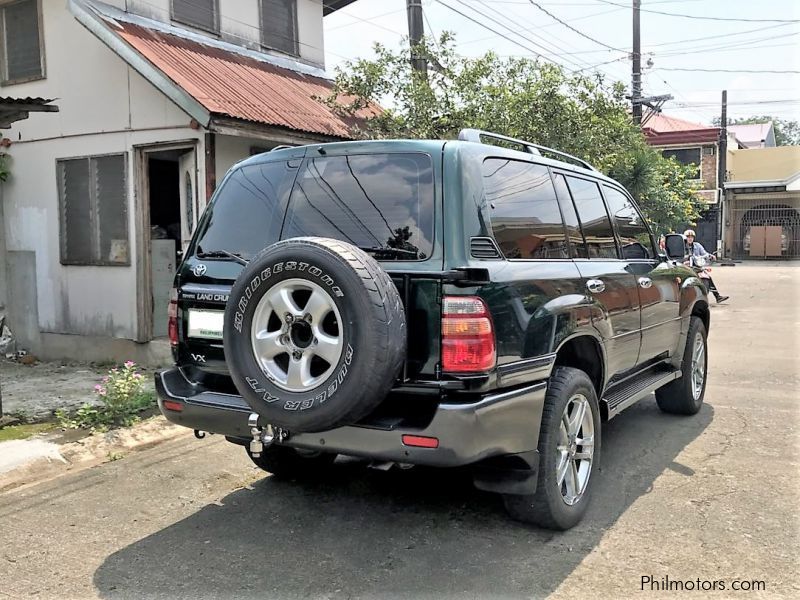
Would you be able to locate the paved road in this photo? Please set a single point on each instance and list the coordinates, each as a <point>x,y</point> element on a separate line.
<point>712,497</point>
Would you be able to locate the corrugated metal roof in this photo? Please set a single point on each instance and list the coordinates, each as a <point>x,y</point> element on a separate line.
<point>236,86</point>
<point>662,130</point>
<point>29,100</point>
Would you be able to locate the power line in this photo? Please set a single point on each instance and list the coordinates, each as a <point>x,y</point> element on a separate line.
<point>571,28</point>
<point>712,37</point>
<point>668,14</point>
<point>786,72</point>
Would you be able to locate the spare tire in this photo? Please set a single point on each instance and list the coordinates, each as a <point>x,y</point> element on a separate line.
<point>314,334</point>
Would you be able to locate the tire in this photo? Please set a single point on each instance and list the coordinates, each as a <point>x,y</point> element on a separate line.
<point>684,396</point>
<point>288,463</point>
<point>553,506</point>
<point>328,363</point>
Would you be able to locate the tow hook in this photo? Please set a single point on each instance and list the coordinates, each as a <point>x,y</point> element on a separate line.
<point>199,434</point>
<point>262,436</point>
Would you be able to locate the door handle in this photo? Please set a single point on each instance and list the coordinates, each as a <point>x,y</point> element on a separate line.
<point>645,282</point>
<point>595,285</point>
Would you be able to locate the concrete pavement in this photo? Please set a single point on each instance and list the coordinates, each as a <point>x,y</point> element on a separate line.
<point>711,498</point>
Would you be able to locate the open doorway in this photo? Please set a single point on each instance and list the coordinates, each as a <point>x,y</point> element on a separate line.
<point>167,216</point>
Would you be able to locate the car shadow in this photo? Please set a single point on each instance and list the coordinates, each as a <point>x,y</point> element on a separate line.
<point>414,533</point>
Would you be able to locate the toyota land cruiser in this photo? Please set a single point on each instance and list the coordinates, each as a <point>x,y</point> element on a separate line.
<point>444,303</point>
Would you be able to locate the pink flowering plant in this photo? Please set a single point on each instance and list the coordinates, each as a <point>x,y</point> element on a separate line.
<point>121,396</point>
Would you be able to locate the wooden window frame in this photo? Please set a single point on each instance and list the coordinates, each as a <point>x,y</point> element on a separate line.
<point>296,32</point>
<point>216,27</point>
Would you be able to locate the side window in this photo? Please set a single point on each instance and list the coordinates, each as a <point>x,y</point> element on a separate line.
<point>526,221</point>
<point>596,226</point>
<point>576,244</point>
<point>21,42</point>
<point>93,210</point>
<point>197,13</point>
<point>279,25</point>
<point>633,234</point>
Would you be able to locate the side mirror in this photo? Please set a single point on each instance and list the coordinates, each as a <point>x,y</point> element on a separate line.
<point>674,246</point>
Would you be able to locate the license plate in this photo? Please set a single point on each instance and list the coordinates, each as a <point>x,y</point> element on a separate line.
<point>206,324</point>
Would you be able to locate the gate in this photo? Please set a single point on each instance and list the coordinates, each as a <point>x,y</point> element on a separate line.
<point>765,230</point>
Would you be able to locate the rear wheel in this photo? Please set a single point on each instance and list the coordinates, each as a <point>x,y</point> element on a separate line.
<point>684,396</point>
<point>289,463</point>
<point>569,448</point>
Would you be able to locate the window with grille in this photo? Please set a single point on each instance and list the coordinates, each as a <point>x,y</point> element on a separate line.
<point>202,14</point>
<point>279,25</point>
<point>21,46</point>
<point>93,210</point>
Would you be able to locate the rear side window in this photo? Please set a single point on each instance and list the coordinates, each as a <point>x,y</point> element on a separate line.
<point>631,229</point>
<point>526,221</point>
<point>247,213</point>
<point>576,246</point>
<point>594,219</point>
<point>371,201</point>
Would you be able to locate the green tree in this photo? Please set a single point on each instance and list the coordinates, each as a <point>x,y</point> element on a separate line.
<point>520,97</point>
<point>787,132</point>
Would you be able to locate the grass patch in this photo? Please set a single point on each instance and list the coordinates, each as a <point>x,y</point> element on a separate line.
<point>24,431</point>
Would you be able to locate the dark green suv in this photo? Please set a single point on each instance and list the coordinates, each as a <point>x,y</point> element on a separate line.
<point>443,303</point>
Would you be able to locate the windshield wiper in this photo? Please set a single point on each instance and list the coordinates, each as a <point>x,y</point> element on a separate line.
<point>389,251</point>
<point>221,254</point>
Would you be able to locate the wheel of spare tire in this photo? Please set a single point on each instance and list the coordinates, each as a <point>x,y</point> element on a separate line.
<point>314,334</point>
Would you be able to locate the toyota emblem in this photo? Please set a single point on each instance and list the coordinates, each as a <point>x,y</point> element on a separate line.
<point>199,270</point>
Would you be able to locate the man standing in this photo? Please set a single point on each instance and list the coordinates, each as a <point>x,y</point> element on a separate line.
<point>695,249</point>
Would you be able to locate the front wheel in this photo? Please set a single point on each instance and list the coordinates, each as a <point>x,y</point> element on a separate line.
<point>288,463</point>
<point>684,396</point>
<point>569,448</point>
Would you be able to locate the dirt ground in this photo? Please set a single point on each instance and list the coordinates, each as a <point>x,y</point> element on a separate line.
<point>36,391</point>
<point>709,499</point>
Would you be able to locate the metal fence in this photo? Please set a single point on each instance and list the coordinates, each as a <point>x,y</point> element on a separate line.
<point>765,230</point>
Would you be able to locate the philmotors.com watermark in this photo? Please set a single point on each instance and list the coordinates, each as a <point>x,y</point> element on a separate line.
<point>650,583</point>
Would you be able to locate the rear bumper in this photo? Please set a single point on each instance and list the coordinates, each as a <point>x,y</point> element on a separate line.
<point>494,425</point>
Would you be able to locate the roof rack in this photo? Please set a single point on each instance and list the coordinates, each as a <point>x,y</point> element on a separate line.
<point>280,147</point>
<point>476,135</point>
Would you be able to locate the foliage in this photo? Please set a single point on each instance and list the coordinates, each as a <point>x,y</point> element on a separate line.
<point>520,97</point>
<point>787,131</point>
<point>4,169</point>
<point>122,397</point>
<point>23,431</point>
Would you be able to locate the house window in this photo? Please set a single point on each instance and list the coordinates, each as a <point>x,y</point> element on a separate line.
<point>279,25</point>
<point>20,32</point>
<point>93,210</point>
<point>202,14</point>
<point>685,156</point>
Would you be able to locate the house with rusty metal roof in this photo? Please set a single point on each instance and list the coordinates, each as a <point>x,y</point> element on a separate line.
<point>157,98</point>
<point>697,145</point>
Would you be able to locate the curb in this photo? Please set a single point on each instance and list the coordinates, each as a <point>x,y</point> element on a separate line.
<point>57,460</point>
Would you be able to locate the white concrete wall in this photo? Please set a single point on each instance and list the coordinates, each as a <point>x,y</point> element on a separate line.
<point>105,107</point>
<point>232,149</point>
<point>310,31</point>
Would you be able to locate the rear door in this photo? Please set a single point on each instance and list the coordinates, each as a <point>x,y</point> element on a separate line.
<point>658,289</point>
<point>609,281</point>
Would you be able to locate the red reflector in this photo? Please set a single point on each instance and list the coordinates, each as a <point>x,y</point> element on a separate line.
<point>172,405</point>
<point>420,441</point>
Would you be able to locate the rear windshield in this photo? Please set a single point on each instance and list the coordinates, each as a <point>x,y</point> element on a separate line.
<point>247,213</point>
<point>371,201</point>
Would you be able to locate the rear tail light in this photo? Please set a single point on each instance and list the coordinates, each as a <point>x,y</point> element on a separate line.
<point>173,406</point>
<point>172,313</point>
<point>468,344</point>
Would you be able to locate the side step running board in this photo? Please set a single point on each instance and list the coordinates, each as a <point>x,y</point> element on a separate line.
<point>624,395</point>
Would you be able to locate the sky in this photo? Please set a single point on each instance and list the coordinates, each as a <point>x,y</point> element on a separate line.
<point>752,42</point>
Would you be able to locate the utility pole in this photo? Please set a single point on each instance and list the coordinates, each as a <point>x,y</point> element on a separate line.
<point>636,71</point>
<point>723,167</point>
<point>416,33</point>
